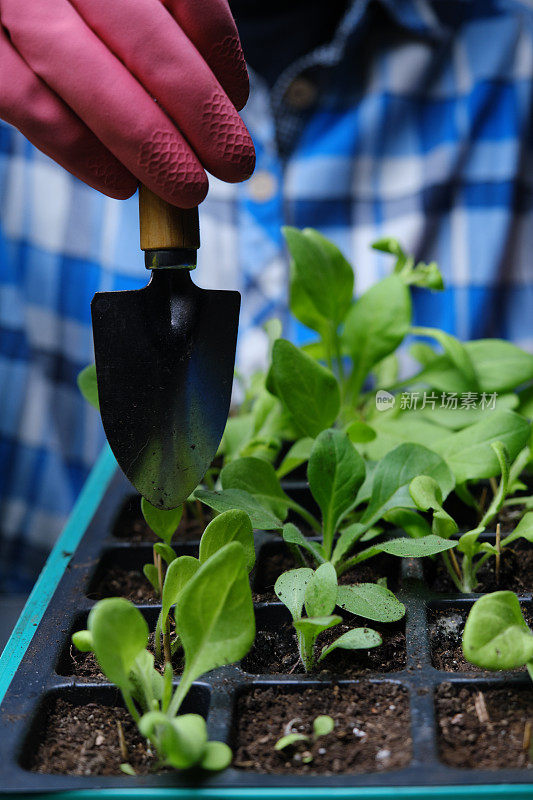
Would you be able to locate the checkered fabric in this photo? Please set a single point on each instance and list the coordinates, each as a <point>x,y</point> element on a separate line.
<point>415,121</point>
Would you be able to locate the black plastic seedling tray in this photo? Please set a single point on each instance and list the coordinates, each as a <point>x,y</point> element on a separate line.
<point>37,658</point>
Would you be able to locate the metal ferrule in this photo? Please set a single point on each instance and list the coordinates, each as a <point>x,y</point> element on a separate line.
<point>170,259</point>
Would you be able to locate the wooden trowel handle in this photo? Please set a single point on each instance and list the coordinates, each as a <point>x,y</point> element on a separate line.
<point>165,227</point>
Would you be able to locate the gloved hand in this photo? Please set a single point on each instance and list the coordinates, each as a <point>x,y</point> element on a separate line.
<point>79,79</point>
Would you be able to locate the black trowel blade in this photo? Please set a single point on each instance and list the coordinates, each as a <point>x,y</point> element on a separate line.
<point>165,357</point>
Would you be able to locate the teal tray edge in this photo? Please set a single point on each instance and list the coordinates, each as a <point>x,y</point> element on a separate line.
<point>82,513</point>
<point>487,792</point>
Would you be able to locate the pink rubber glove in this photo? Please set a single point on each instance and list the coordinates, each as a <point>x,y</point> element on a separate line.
<point>79,79</point>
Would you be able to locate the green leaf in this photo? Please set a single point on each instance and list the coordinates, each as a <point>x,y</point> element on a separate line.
<point>151,574</point>
<point>87,385</point>
<point>322,725</point>
<point>394,474</point>
<point>83,640</point>
<point>456,352</point>
<point>217,756</point>
<point>215,616</point>
<point>165,551</point>
<point>321,591</point>
<point>313,626</point>
<point>232,499</point>
<point>359,431</point>
<point>496,635</point>
<point>335,473</point>
<point>181,741</point>
<point>127,769</point>
<point>322,280</point>
<point>162,522</point>
<point>119,633</point>
<point>404,547</point>
<point>376,325</point>
<point>289,740</point>
<point>237,434</point>
<point>370,601</point>
<point>505,468</point>
<point>291,587</point>
<point>469,453</point>
<point>179,573</point>
<point>292,535</point>
<point>356,639</point>
<point>393,429</point>
<point>463,416</point>
<point>524,530</point>
<point>308,391</point>
<point>425,492</point>
<point>259,478</point>
<point>298,454</point>
<point>412,523</point>
<point>427,276</point>
<point>230,526</point>
<point>501,366</point>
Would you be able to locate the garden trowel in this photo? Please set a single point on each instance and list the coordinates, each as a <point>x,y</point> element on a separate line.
<point>165,356</point>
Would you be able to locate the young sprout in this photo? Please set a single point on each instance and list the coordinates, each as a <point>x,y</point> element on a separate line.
<point>472,552</point>
<point>216,626</point>
<point>322,725</point>
<point>317,592</point>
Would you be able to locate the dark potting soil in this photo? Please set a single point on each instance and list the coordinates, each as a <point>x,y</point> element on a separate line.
<point>85,665</point>
<point>129,583</point>
<point>84,740</point>
<point>130,525</point>
<point>483,729</point>
<point>445,634</point>
<point>516,572</point>
<point>272,564</point>
<point>508,518</point>
<point>275,652</point>
<point>371,731</point>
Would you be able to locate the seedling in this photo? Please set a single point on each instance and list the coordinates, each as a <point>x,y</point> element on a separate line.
<point>322,725</point>
<point>163,523</point>
<point>353,500</point>
<point>473,553</point>
<point>317,592</point>
<point>496,635</point>
<point>230,526</point>
<point>216,626</point>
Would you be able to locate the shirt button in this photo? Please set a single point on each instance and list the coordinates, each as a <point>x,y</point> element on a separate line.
<point>262,186</point>
<point>301,94</point>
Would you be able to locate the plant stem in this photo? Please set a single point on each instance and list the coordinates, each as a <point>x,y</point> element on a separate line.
<point>158,636</point>
<point>451,571</point>
<point>179,695</point>
<point>338,359</point>
<point>130,705</point>
<point>469,575</point>
<point>455,565</point>
<point>498,554</point>
<point>166,641</point>
<point>159,568</point>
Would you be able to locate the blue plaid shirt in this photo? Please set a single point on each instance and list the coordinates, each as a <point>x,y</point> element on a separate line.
<point>420,128</point>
